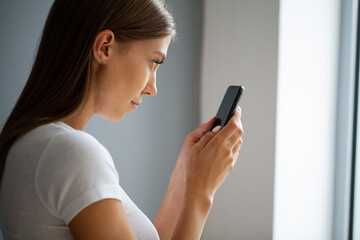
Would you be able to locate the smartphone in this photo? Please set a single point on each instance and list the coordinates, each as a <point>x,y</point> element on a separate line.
<point>228,105</point>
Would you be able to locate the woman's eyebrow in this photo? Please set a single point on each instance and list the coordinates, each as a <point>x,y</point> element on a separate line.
<point>161,54</point>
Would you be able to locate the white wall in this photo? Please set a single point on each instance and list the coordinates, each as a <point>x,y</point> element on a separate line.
<point>240,47</point>
<point>306,114</point>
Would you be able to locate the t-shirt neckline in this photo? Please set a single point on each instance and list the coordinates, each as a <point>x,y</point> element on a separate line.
<point>64,125</point>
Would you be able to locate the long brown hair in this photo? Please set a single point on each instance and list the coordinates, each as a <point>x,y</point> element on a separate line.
<point>59,82</point>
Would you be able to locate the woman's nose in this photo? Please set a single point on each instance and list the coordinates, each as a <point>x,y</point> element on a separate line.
<point>150,88</point>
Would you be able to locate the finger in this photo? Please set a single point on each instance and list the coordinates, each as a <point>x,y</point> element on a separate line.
<point>202,129</point>
<point>229,129</point>
<point>240,111</point>
<point>204,141</point>
<point>237,135</point>
<point>238,145</point>
<point>236,156</point>
<point>234,160</point>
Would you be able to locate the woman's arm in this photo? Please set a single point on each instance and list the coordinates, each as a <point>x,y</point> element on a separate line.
<point>169,211</point>
<point>193,215</point>
<point>105,219</point>
<point>206,159</point>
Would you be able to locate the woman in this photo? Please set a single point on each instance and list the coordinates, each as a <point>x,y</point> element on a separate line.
<point>58,182</point>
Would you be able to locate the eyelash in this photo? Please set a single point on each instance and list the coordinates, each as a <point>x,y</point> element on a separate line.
<point>157,62</point>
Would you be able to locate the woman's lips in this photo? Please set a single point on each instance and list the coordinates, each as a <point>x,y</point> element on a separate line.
<point>135,104</point>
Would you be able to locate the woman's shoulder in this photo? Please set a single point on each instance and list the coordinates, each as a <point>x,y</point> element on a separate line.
<point>74,171</point>
<point>64,134</point>
<point>57,135</point>
<point>68,141</point>
<point>58,140</point>
<point>57,130</point>
<point>71,151</point>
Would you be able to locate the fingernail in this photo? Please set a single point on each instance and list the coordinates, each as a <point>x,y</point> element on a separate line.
<point>238,108</point>
<point>216,129</point>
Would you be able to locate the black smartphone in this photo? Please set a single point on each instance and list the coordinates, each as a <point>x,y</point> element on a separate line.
<point>228,105</point>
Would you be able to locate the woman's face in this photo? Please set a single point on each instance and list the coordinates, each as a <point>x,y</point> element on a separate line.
<point>128,73</point>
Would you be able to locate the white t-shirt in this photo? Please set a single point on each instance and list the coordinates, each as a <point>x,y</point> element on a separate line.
<point>53,172</point>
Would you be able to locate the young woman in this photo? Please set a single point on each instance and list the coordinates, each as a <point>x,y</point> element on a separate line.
<point>58,182</point>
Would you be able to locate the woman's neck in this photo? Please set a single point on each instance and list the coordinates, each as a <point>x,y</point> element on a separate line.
<point>80,118</point>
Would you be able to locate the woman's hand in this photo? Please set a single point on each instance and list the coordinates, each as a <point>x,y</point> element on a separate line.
<point>212,157</point>
<point>207,157</point>
<point>191,140</point>
<point>168,214</point>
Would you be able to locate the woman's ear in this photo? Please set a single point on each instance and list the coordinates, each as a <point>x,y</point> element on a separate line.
<point>103,45</point>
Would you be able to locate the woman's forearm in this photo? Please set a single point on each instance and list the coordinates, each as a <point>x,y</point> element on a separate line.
<point>194,212</point>
<point>169,211</point>
<point>183,212</point>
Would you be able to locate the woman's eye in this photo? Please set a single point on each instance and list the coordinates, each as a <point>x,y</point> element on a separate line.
<point>156,64</point>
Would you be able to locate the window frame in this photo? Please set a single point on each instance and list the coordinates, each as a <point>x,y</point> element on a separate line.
<point>347,125</point>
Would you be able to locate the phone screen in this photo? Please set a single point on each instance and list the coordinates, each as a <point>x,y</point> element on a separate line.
<point>228,105</point>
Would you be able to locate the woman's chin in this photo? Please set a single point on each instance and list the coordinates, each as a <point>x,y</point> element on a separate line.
<point>113,118</point>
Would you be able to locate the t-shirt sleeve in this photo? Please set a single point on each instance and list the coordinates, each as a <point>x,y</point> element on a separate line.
<point>74,171</point>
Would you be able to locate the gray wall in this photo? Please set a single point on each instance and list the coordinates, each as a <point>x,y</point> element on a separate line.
<point>145,143</point>
<point>20,25</point>
<point>241,48</point>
